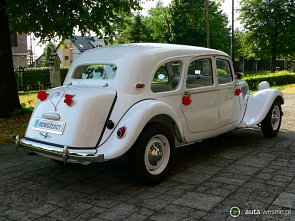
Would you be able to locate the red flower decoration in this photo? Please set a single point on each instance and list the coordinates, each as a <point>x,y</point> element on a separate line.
<point>42,95</point>
<point>69,99</point>
<point>186,100</point>
<point>238,91</point>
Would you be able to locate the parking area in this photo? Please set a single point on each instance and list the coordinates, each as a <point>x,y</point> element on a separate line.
<point>240,169</point>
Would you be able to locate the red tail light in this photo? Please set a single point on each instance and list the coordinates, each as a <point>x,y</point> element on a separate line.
<point>121,132</point>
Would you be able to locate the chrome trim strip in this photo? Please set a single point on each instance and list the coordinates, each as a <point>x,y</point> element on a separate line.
<point>51,116</point>
<point>63,153</point>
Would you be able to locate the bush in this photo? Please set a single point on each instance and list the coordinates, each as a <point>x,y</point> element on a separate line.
<point>63,73</point>
<point>33,79</point>
<point>274,79</point>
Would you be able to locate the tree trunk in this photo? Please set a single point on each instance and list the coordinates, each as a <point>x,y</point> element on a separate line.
<point>9,100</point>
<point>273,63</point>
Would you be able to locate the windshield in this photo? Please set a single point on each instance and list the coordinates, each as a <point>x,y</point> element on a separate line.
<point>97,71</point>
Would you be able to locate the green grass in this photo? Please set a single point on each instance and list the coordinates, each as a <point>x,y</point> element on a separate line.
<point>265,73</point>
<point>286,89</point>
<point>249,74</point>
<point>28,99</point>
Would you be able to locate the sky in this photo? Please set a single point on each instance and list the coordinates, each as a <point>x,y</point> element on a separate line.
<point>226,7</point>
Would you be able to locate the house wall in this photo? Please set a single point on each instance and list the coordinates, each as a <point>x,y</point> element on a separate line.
<point>60,54</point>
<point>19,52</point>
<point>67,54</point>
<point>75,53</point>
<point>39,62</point>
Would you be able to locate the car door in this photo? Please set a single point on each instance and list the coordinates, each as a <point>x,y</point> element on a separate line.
<point>226,92</point>
<point>202,113</point>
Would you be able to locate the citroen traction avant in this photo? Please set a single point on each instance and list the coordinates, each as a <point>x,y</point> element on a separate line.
<point>145,100</point>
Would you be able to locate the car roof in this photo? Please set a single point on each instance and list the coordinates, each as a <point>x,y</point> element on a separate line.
<point>137,62</point>
<point>123,51</point>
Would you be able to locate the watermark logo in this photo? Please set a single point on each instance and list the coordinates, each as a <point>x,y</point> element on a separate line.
<point>235,211</point>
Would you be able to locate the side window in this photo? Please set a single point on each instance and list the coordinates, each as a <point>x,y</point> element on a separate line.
<point>199,74</point>
<point>167,77</point>
<point>223,71</point>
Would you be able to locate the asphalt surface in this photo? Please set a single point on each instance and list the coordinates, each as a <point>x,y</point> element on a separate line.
<point>239,169</point>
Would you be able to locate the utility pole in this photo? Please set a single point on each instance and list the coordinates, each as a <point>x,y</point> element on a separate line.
<point>31,55</point>
<point>207,23</point>
<point>232,48</point>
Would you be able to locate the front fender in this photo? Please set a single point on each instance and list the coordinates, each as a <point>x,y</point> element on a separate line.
<point>258,105</point>
<point>135,120</point>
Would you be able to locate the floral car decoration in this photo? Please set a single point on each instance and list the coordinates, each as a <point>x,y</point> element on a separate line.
<point>69,99</point>
<point>186,99</point>
<point>146,100</point>
<point>42,95</point>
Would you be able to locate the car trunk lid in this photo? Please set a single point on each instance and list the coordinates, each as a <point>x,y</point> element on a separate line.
<point>73,116</point>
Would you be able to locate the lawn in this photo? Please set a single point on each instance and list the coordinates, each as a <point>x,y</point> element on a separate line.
<point>28,99</point>
<point>18,124</point>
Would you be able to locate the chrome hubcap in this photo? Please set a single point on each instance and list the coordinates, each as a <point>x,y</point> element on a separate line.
<point>157,154</point>
<point>275,117</point>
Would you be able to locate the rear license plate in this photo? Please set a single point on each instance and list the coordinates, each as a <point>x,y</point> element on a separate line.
<point>56,127</point>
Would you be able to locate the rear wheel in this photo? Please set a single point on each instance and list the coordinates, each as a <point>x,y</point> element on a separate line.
<point>152,154</point>
<point>271,124</point>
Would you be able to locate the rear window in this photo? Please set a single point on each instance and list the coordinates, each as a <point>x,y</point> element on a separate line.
<point>97,71</point>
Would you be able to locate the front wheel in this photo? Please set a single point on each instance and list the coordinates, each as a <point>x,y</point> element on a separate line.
<point>152,154</point>
<point>271,124</point>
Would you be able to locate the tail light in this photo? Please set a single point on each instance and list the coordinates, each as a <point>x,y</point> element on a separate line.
<point>121,132</point>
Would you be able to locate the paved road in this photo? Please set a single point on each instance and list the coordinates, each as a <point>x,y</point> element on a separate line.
<point>240,169</point>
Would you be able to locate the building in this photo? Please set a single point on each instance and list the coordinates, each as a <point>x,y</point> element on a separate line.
<point>69,49</point>
<point>39,62</point>
<point>19,50</point>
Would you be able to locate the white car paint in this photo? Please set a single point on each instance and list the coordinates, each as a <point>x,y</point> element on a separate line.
<point>214,109</point>
<point>258,105</point>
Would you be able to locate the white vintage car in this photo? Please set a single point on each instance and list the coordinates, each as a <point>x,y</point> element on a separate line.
<point>146,100</point>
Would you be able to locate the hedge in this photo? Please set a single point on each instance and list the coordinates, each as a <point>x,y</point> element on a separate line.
<point>33,79</point>
<point>274,79</point>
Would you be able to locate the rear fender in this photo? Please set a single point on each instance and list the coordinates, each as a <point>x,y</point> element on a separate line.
<point>258,105</point>
<point>135,120</point>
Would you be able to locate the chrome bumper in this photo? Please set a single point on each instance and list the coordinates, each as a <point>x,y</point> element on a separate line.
<point>65,154</point>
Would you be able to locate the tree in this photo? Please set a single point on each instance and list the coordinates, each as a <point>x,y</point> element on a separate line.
<point>48,19</point>
<point>186,24</point>
<point>48,50</point>
<point>136,29</point>
<point>270,24</point>
<point>244,45</point>
<point>130,31</point>
<point>8,90</point>
<point>155,24</point>
<point>151,28</point>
